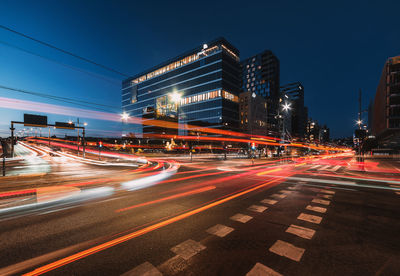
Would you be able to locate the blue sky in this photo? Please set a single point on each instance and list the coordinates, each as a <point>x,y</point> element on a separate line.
<point>333,48</point>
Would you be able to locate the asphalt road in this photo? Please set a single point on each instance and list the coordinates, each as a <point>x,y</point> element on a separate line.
<point>323,216</point>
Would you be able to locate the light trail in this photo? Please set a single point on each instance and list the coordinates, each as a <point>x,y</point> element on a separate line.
<point>124,238</point>
<point>197,191</point>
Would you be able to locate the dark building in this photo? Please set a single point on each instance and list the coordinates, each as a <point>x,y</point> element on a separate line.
<point>293,93</point>
<point>260,74</point>
<point>253,113</point>
<point>200,87</point>
<point>386,111</point>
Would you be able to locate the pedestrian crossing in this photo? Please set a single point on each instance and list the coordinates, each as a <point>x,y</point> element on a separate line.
<point>329,168</point>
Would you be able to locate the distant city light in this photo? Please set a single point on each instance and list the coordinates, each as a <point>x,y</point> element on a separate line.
<point>359,122</point>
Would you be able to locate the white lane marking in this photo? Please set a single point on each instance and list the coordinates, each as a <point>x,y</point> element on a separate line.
<point>316,209</point>
<point>188,249</point>
<point>220,230</point>
<point>314,167</point>
<point>286,192</point>
<point>334,169</point>
<point>144,269</point>
<point>303,232</point>
<point>321,201</point>
<point>292,188</point>
<point>310,218</point>
<point>269,201</point>
<point>262,270</point>
<point>324,168</point>
<point>327,191</point>
<point>241,218</point>
<point>278,195</point>
<point>257,208</point>
<point>287,250</point>
<point>325,196</point>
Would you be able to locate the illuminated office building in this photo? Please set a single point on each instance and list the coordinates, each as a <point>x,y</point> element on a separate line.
<point>200,87</point>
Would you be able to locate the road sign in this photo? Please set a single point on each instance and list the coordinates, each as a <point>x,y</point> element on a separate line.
<point>31,119</point>
<point>64,125</point>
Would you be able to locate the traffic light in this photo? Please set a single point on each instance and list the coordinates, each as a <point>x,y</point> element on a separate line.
<point>100,144</point>
<point>253,146</point>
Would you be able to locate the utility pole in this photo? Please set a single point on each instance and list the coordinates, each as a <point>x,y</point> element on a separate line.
<point>77,137</point>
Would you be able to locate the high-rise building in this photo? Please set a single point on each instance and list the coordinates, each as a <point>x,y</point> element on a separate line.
<point>386,110</point>
<point>260,74</point>
<point>253,113</point>
<point>200,87</point>
<point>293,93</point>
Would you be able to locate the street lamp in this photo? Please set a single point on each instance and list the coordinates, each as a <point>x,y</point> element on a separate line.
<point>286,107</point>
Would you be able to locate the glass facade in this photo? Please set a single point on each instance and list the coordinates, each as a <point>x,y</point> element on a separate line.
<point>207,80</point>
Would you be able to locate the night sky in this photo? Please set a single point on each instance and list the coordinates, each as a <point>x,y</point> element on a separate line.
<point>332,48</point>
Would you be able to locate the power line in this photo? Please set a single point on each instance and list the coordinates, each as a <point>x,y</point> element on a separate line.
<point>62,64</point>
<point>63,51</point>
<point>63,99</point>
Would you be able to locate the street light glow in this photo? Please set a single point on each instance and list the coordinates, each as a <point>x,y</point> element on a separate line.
<point>124,116</point>
<point>175,97</point>
<point>286,107</point>
<point>359,122</point>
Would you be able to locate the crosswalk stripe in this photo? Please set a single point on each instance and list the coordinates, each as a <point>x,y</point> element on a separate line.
<point>334,169</point>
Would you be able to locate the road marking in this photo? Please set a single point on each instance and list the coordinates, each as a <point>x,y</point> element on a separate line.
<point>316,209</point>
<point>398,193</point>
<point>287,250</point>
<point>87,252</point>
<point>325,196</point>
<point>334,169</point>
<point>314,167</point>
<point>269,201</point>
<point>321,201</point>
<point>303,232</point>
<point>310,218</point>
<point>262,270</point>
<point>220,230</point>
<point>279,195</point>
<point>286,192</point>
<point>324,168</point>
<point>292,188</point>
<point>188,249</point>
<point>269,171</point>
<point>146,269</point>
<point>257,208</point>
<point>241,218</point>
<point>327,191</point>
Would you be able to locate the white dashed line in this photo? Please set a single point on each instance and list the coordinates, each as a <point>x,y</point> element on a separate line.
<point>310,218</point>
<point>292,188</point>
<point>220,230</point>
<point>241,218</point>
<point>287,250</point>
<point>144,269</point>
<point>327,191</point>
<point>316,209</point>
<point>303,232</point>
<point>286,192</point>
<point>188,249</point>
<point>269,201</point>
<point>325,196</point>
<point>279,195</point>
<point>321,201</point>
<point>262,270</point>
<point>257,208</point>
